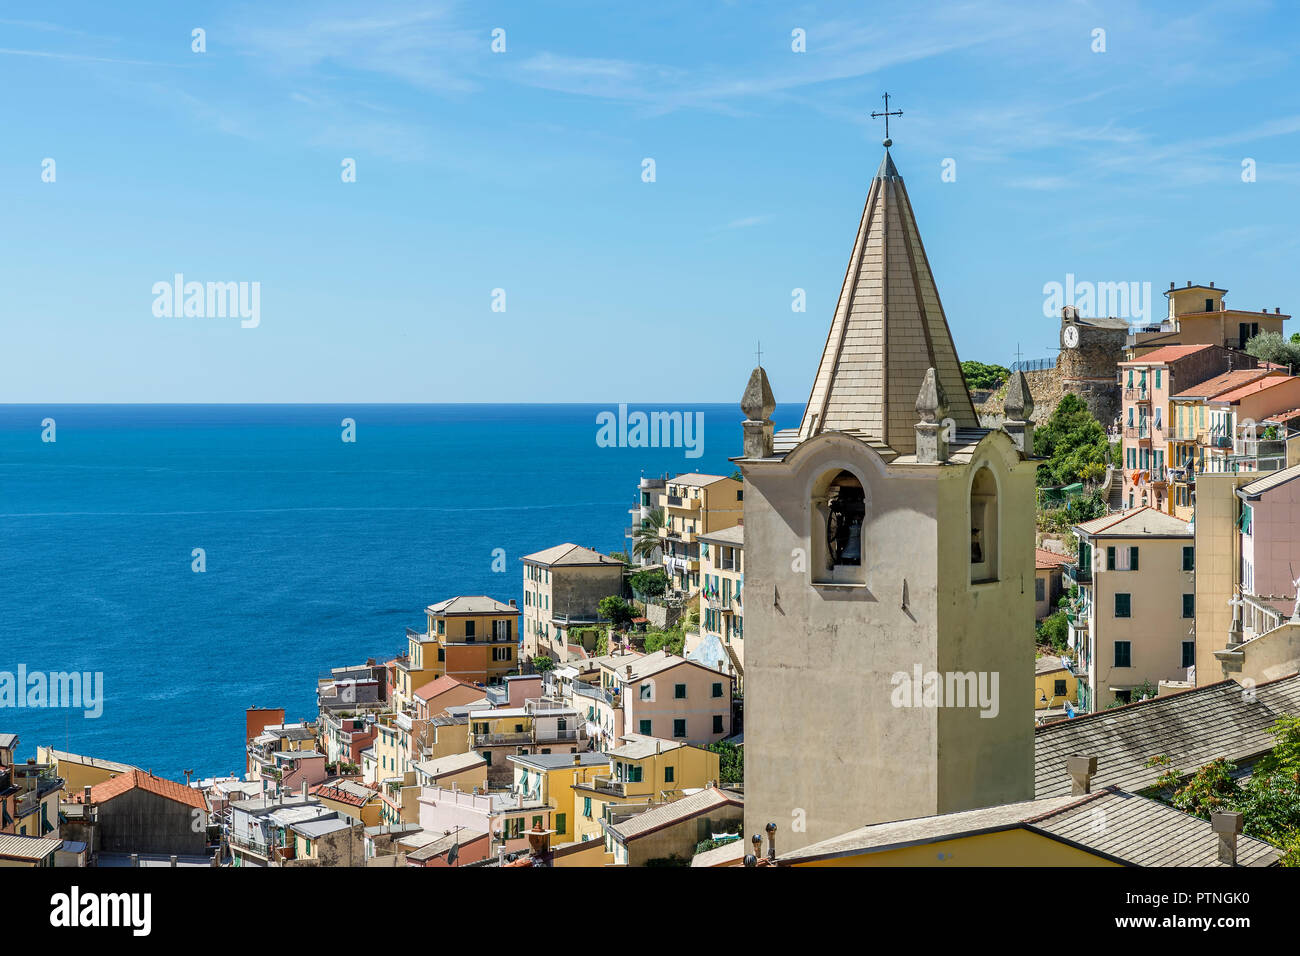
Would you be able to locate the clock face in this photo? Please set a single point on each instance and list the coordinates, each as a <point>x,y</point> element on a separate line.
<point>1071,336</point>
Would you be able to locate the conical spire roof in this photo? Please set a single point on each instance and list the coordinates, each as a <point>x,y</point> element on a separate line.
<point>889,329</point>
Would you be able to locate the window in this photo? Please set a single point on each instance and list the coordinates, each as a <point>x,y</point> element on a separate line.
<point>679,691</point>
<point>668,774</point>
<point>983,527</point>
<point>1158,380</point>
<point>561,822</point>
<point>1123,654</point>
<point>1189,605</point>
<point>1059,687</point>
<point>469,629</point>
<point>717,688</point>
<point>442,626</point>
<point>717,724</point>
<point>1110,552</point>
<point>1040,589</point>
<point>679,727</point>
<point>1189,559</point>
<point>586,807</point>
<point>1189,653</point>
<point>647,691</point>
<point>1123,605</point>
<point>645,728</point>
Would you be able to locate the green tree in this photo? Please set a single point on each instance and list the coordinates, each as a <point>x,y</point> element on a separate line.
<point>671,641</point>
<point>979,375</point>
<point>731,761</point>
<point>646,538</point>
<point>1271,347</point>
<point>1071,441</point>
<point>1055,630</point>
<point>615,610</point>
<point>650,582</point>
<point>543,664</point>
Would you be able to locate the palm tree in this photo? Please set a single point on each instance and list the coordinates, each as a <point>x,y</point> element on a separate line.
<point>646,538</point>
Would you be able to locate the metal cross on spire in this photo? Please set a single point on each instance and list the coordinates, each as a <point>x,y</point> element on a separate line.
<point>886,114</point>
<point>760,354</point>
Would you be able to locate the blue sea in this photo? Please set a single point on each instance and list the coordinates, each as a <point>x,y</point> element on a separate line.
<point>318,552</point>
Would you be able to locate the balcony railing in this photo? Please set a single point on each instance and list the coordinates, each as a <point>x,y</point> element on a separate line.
<point>610,785</point>
<point>1077,573</point>
<point>500,740</point>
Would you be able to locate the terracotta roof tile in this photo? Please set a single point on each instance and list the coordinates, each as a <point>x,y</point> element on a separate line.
<point>139,779</point>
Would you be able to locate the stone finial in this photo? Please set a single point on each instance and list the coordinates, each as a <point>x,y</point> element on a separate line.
<point>932,429</point>
<point>1019,404</point>
<point>1018,407</point>
<point>758,404</point>
<point>931,402</point>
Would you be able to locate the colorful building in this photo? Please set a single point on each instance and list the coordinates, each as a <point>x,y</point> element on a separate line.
<point>663,695</point>
<point>1198,315</point>
<point>722,580</point>
<point>553,778</point>
<point>1147,384</point>
<point>563,588</point>
<point>693,505</point>
<point>1135,616</point>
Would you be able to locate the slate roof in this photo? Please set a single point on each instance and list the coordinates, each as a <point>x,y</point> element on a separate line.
<point>888,328</point>
<point>639,746</point>
<point>472,604</point>
<point>1144,832</point>
<point>569,555</point>
<point>666,814</point>
<point>733,536</point>
<point>1192,728</point>
<point>1124,827</point>
<point>1253,489</point>
<point>1049,664</point>
<point>587,758</point>
<point>1137,522</point>
<point>17,847</point>
<point>450,764</point>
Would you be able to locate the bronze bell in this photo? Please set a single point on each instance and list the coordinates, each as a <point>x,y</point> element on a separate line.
<point>848,508</point>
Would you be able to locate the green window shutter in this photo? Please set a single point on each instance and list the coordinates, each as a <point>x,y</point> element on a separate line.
<point>1189,559</point>
<point>1110,559</point>
<point>561,823</point>
<point>1123,605</point>
<point>1189,605</point>
<point>1133,558</point>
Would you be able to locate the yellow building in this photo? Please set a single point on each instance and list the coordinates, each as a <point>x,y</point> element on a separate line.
<point>563,588</point>
<point>644,770</point>
<point>553,778</point>
<point>1217,560</point>
<point>351,800</point>
<point>1054,684</point>
<point>1198,315</point>
<point>693,505</point>
<point>77,771</point>
<point>1135,623</point>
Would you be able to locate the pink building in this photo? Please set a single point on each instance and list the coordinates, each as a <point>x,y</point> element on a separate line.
<point>667,696</point>
<point>505,817</point>
<point>1270,549</point>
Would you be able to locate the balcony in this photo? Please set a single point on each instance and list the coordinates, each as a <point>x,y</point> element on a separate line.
<point>1137,394</point>
<point>608,784</point>
<point>1076,573</point>
<point>502,740</point>
<point>682,504</point>
<point>1141,432</point>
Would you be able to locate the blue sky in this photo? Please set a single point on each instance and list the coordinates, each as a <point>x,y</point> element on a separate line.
<point>522,171</point>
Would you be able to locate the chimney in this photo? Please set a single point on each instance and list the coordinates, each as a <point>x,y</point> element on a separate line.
<point>135,859</point>
<point>577,760</point>
<point>1227,826</point>
<point>171,861</point>
<point>512,603</point>
<point>85,794</point>
<point>304,788</point>
<point>659,746</point>
<point>1081,770</point>
<point>771,841</point>
<point>627,670</point>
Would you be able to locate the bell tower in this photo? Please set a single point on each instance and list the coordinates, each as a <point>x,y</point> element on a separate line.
<point>889,581</point>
